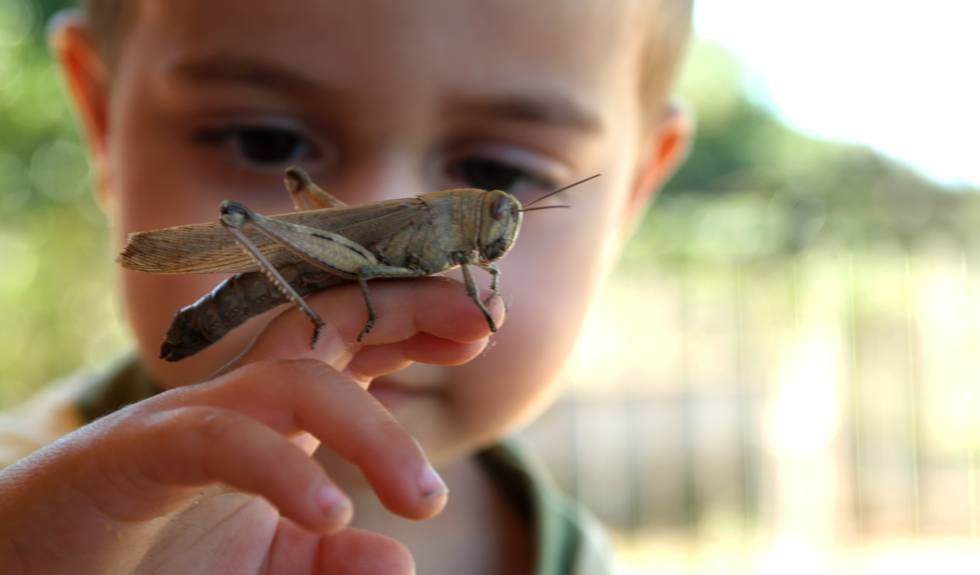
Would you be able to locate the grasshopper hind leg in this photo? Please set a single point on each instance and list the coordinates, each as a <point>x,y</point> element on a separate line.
<point>300,186</point>
<point>233,218</point>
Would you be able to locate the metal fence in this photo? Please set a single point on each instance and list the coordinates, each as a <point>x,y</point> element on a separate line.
<point>831,398</point>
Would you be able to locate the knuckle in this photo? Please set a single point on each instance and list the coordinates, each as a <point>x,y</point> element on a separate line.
<point>392,436</point>
<point>377,435</point>
<point>136,421</point>
<point>390,430</point>
<point>304,369</point>
<point>287,370</point>
<point>244,376</point>
<point>311,378</point>
<point>255,376</point>
<point>215,426</point>
<point>285,468</point>
<point>300,378</point>
<point>212,423</point>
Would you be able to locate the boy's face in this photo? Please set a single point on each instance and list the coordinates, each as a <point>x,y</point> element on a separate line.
<point>376,99</point>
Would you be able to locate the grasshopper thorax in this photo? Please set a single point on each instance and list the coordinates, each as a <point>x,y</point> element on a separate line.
<point>500,221</point>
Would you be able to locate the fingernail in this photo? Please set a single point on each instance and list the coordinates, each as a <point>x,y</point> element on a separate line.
<point>431,484</point>
<point>332,502</point>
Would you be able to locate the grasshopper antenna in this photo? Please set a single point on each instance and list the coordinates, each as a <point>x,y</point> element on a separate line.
<point>559,190</point>
<point>543,208</point>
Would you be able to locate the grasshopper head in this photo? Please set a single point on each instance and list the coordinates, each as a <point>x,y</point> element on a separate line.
<point>500,221</point>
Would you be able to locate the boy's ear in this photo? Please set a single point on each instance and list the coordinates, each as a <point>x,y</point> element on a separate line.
<point>87,79</point>
<point>666,148</point>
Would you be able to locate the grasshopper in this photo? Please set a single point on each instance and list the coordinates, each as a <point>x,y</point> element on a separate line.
<point>282,258</point>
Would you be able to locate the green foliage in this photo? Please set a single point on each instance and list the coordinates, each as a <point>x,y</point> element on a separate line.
<point>55,288</point>
<point>752,188</point>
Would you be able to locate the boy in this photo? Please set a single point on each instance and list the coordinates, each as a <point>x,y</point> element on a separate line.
<point>188,103</point>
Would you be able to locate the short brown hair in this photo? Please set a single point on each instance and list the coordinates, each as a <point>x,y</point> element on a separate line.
<point>665,40</point>
<point>107,20</point>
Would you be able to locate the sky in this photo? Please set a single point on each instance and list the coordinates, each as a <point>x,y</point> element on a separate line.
<point>900,76</point>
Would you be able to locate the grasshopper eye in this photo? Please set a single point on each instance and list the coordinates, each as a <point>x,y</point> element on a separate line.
<point>500,208</point>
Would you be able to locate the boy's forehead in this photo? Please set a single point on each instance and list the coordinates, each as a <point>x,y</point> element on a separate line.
<point>493,24</point>
<point>477,45</point>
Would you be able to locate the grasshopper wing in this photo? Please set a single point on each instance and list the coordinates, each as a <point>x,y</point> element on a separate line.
<point>196,248</point>
<point>209,248</point>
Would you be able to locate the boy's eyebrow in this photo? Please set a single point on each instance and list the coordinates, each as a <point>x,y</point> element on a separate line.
<point>231,69</point>
<point>548,108</point>
<point>553,109</point>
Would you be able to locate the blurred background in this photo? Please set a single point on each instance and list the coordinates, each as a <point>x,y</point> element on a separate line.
<point>781,375</point>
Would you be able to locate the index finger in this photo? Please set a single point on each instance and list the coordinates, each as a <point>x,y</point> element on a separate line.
<point>291,396</point>
<point>436,306</point>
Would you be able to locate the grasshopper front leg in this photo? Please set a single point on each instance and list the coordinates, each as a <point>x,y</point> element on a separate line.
<point>494,272</point>
<point>474,293</point>
<point>394,272</point>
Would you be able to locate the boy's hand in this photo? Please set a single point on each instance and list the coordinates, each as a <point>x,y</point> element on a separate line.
<point>169,484</point>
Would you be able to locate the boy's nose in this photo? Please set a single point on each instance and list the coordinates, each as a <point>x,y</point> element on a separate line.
<point>382,178</point>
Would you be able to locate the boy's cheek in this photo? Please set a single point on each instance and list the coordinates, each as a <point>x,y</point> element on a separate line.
<point>548,293</point>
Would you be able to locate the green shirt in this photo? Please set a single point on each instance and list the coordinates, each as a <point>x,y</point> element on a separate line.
<point>569,540</point>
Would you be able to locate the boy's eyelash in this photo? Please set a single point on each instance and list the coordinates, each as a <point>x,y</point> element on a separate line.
<point>272,147</point>
<point>259,145</point>
<point>488,172</point>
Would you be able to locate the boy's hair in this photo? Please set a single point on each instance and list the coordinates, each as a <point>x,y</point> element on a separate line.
<point>667,22</point>
<point>107,19</point>
<point>664,44</point>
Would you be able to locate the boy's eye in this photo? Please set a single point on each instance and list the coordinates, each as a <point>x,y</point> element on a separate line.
<point>491,174</point>
<point>261,146</point>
